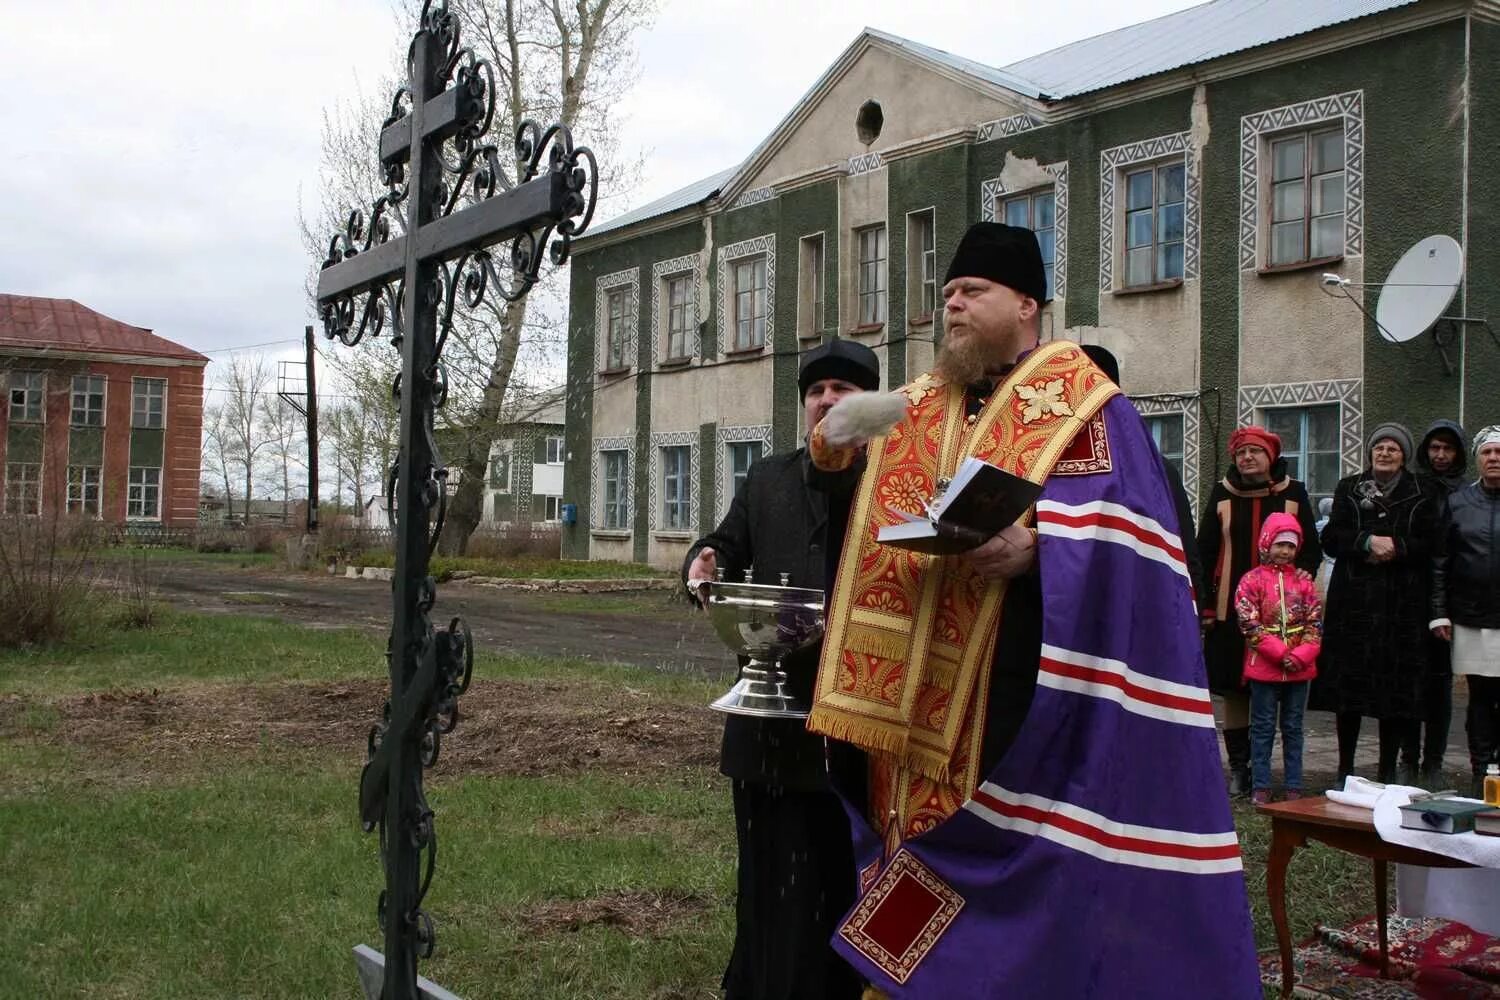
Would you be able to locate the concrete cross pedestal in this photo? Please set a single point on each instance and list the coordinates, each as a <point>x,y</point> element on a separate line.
<point>371,966</point>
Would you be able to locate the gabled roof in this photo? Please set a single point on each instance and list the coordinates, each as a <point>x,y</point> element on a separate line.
<point>39,324</point>
<point>693,194</point>
<point>1198,34</point>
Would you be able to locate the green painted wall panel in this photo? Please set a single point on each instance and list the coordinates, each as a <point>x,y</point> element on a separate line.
<point>1482,354</point>
<point>708,518</point>
<point>23,443</point>
<point>146,447</point>
<point>86,446</point>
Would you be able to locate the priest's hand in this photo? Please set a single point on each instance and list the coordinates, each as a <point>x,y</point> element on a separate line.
<point>1007,555</point>
<point>701,574</point>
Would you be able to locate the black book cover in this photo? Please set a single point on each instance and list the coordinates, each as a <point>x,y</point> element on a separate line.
<point>979,502</point>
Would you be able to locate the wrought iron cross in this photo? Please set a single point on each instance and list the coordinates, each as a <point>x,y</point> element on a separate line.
<point>451,200</point>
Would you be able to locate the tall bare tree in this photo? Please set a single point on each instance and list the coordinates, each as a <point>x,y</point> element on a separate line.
<point>247,380</point>
<point>554,61</point>
<point>281,427</point>
<point>216,460</point>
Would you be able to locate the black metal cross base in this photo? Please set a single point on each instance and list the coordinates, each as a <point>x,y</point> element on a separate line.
<point>450,208</point>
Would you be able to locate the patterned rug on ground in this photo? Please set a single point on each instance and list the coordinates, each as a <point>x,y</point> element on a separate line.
<point>1430,960</point>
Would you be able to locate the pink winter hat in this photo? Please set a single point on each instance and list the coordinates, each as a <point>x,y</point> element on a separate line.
<point>1275,529</point>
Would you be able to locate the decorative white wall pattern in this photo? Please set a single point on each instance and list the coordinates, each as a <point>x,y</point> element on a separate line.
<point>686,264</point>
<point>736,251</point>
<point>673,439</point>
<point>864,163</point>
<point>1346,392</point>
<point>992,192</point>
<point>722,472</point>
<point>1187,408</point>
<point>596,475</point>
<point>1000,128</point>
<point>602,287</point>
<point>752,197</point>
<point>1350,107</point>
<point>1111,163</point>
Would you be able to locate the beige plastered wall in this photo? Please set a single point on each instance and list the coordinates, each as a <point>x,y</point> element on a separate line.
<point>1291,331</point>
<point>1153,334</point>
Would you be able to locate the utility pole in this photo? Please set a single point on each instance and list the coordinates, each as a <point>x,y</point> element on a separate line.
<point>312,433</point>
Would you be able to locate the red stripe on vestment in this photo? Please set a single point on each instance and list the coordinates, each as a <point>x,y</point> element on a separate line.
<point>1115,522</point>
<point>1119,842</point>
<point>1095,676</point>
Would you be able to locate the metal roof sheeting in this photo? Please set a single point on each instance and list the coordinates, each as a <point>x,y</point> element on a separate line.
<point>696,192</point>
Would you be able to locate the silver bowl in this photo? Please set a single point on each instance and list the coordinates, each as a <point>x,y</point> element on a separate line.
<point>764,623</point>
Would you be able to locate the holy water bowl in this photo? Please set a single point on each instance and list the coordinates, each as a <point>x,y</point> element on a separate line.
<point>765,623</point>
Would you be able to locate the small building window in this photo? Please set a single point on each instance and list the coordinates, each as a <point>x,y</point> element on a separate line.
<point>1310,444</point>
<point>88,401</point>
<point>1037,212</point>
<point>23,488</point>
<point>143,493</point>
<point>148,402</point>
<point>676,488</point>
<point>872,275</point>
<point>680,318</point>
<point>810,287</point>
<point>1166,432</point>
<point>617,334</point>
<point>1307,196</point>
<point>500,467</point>
<point>555,451</point>
<point>616,489</point>
<point>83,489</point>
<point>742,455</point>
<point>26,391</point>
<point>750,305</point>
<point>921,265</point>
<point>1155,224</point>
<point>549,507</point>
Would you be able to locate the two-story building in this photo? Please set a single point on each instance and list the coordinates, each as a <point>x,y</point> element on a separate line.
<point>524,478</point>
<point>1191,179</point>
<point>102,419</point>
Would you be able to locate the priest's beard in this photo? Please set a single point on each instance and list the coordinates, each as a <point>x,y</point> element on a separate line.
<point>970,358</point>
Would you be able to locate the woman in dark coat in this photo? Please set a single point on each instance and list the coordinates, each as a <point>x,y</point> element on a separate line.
<point>1375,659</point>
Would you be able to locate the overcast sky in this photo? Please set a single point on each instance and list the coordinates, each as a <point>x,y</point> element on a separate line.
<point>154,151</point>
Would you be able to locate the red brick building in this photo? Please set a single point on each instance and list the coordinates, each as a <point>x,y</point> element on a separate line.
<point>101,418</point>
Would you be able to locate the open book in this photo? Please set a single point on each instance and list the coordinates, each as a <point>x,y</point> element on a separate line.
<point>975,505</point>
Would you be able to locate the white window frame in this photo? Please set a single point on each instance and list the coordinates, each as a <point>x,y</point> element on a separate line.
<point>23,488</point>
<point>32,387</point>
<point>723,471</point>
<point>1114,163</point>
<point>737,476</point>
<point>623,489</point>
<point>872,252</point>
<point>1297,458</point>
<point>750,306</point>
<point>921,265</point>
<point>676,510</point>
<point>92,417</point>
<point>679,316</point>
<point>1154,423</point>
<point>1156,246</point>
<point>724,288</point>
<point>504,448</point>
<point>82,486</point>
<point>1029,199</point>
<point>142,390</point>
<point>1308,218</point>
<point>139,494</point>
<point>550,506</point>
<point>554,451</point>
<point>630,281</point>
<point>811,287</point>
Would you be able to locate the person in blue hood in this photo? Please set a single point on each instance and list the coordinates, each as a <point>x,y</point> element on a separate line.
<point>1443,459</point>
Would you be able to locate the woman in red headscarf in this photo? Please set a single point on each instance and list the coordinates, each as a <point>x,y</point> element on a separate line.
<point>1256,487</point>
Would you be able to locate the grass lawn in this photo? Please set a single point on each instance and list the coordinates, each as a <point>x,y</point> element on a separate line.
<point>183,557</point>
<point>524,567</point>
<point>165,833</point>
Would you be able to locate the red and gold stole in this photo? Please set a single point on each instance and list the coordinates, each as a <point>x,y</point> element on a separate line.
<point>910,637</point>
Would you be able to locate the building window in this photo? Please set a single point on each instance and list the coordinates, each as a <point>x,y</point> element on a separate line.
<point>1310,445</point>
<point>749,303</point>
<point>26,389</point>
<point>616,489</point>
<point>1167,433</point>
<point>810,287</point>
<point>549,507</point>
<point>617,331</point>
<point>500,467</point>
<point>88,401</point>
<point>555,450</point>
<point>1307,196</point>
<point>742,454</point>
<point>83,489</point>
<point>1155,221</point>
<point>1037,212</point>
<point>148,404</point>
<point>143,493</point>
<point>679,315</point>
<point>921,265</point>
<point>23,488</point>
<point>872,275</point>
<point>676,488</point>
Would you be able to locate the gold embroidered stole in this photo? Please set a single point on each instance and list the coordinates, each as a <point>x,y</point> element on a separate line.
<point>909,636</point>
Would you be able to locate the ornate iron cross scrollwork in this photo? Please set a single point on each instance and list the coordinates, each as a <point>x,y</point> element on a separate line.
<point>424,246</point>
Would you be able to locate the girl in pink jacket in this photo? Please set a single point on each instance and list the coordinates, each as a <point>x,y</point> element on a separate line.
<point>1282,617</point>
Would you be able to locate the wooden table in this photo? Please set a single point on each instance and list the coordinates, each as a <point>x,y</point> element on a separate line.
<point>1344,828</point>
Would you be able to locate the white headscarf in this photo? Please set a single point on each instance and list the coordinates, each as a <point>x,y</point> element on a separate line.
<point>1486,435</point>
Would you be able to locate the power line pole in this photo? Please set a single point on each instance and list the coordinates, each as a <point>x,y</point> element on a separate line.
<point>312,433</point>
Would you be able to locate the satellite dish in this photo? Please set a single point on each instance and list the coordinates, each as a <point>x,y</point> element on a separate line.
<point>1418,289</point>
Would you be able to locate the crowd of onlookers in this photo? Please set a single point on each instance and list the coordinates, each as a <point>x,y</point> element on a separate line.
<point>1411,600</point>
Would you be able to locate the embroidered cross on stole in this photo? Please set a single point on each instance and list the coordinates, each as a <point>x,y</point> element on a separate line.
<point>909,638</point>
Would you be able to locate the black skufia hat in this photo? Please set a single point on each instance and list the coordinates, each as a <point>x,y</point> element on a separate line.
<point>843,359</point>
<point>1005,254</point>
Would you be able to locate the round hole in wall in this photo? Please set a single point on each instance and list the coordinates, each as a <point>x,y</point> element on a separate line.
<point>869,120</point>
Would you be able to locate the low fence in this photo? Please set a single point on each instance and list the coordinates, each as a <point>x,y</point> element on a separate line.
<point>335,540</point>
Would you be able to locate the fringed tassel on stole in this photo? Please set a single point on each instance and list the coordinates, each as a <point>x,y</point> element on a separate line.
<point>876,642</point>
<point>875,737</point>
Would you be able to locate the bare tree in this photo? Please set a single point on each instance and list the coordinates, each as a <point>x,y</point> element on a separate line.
<point>216,450</point>
<point>281,427</point>
<point>247,381</point>
<point>554,61</point>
